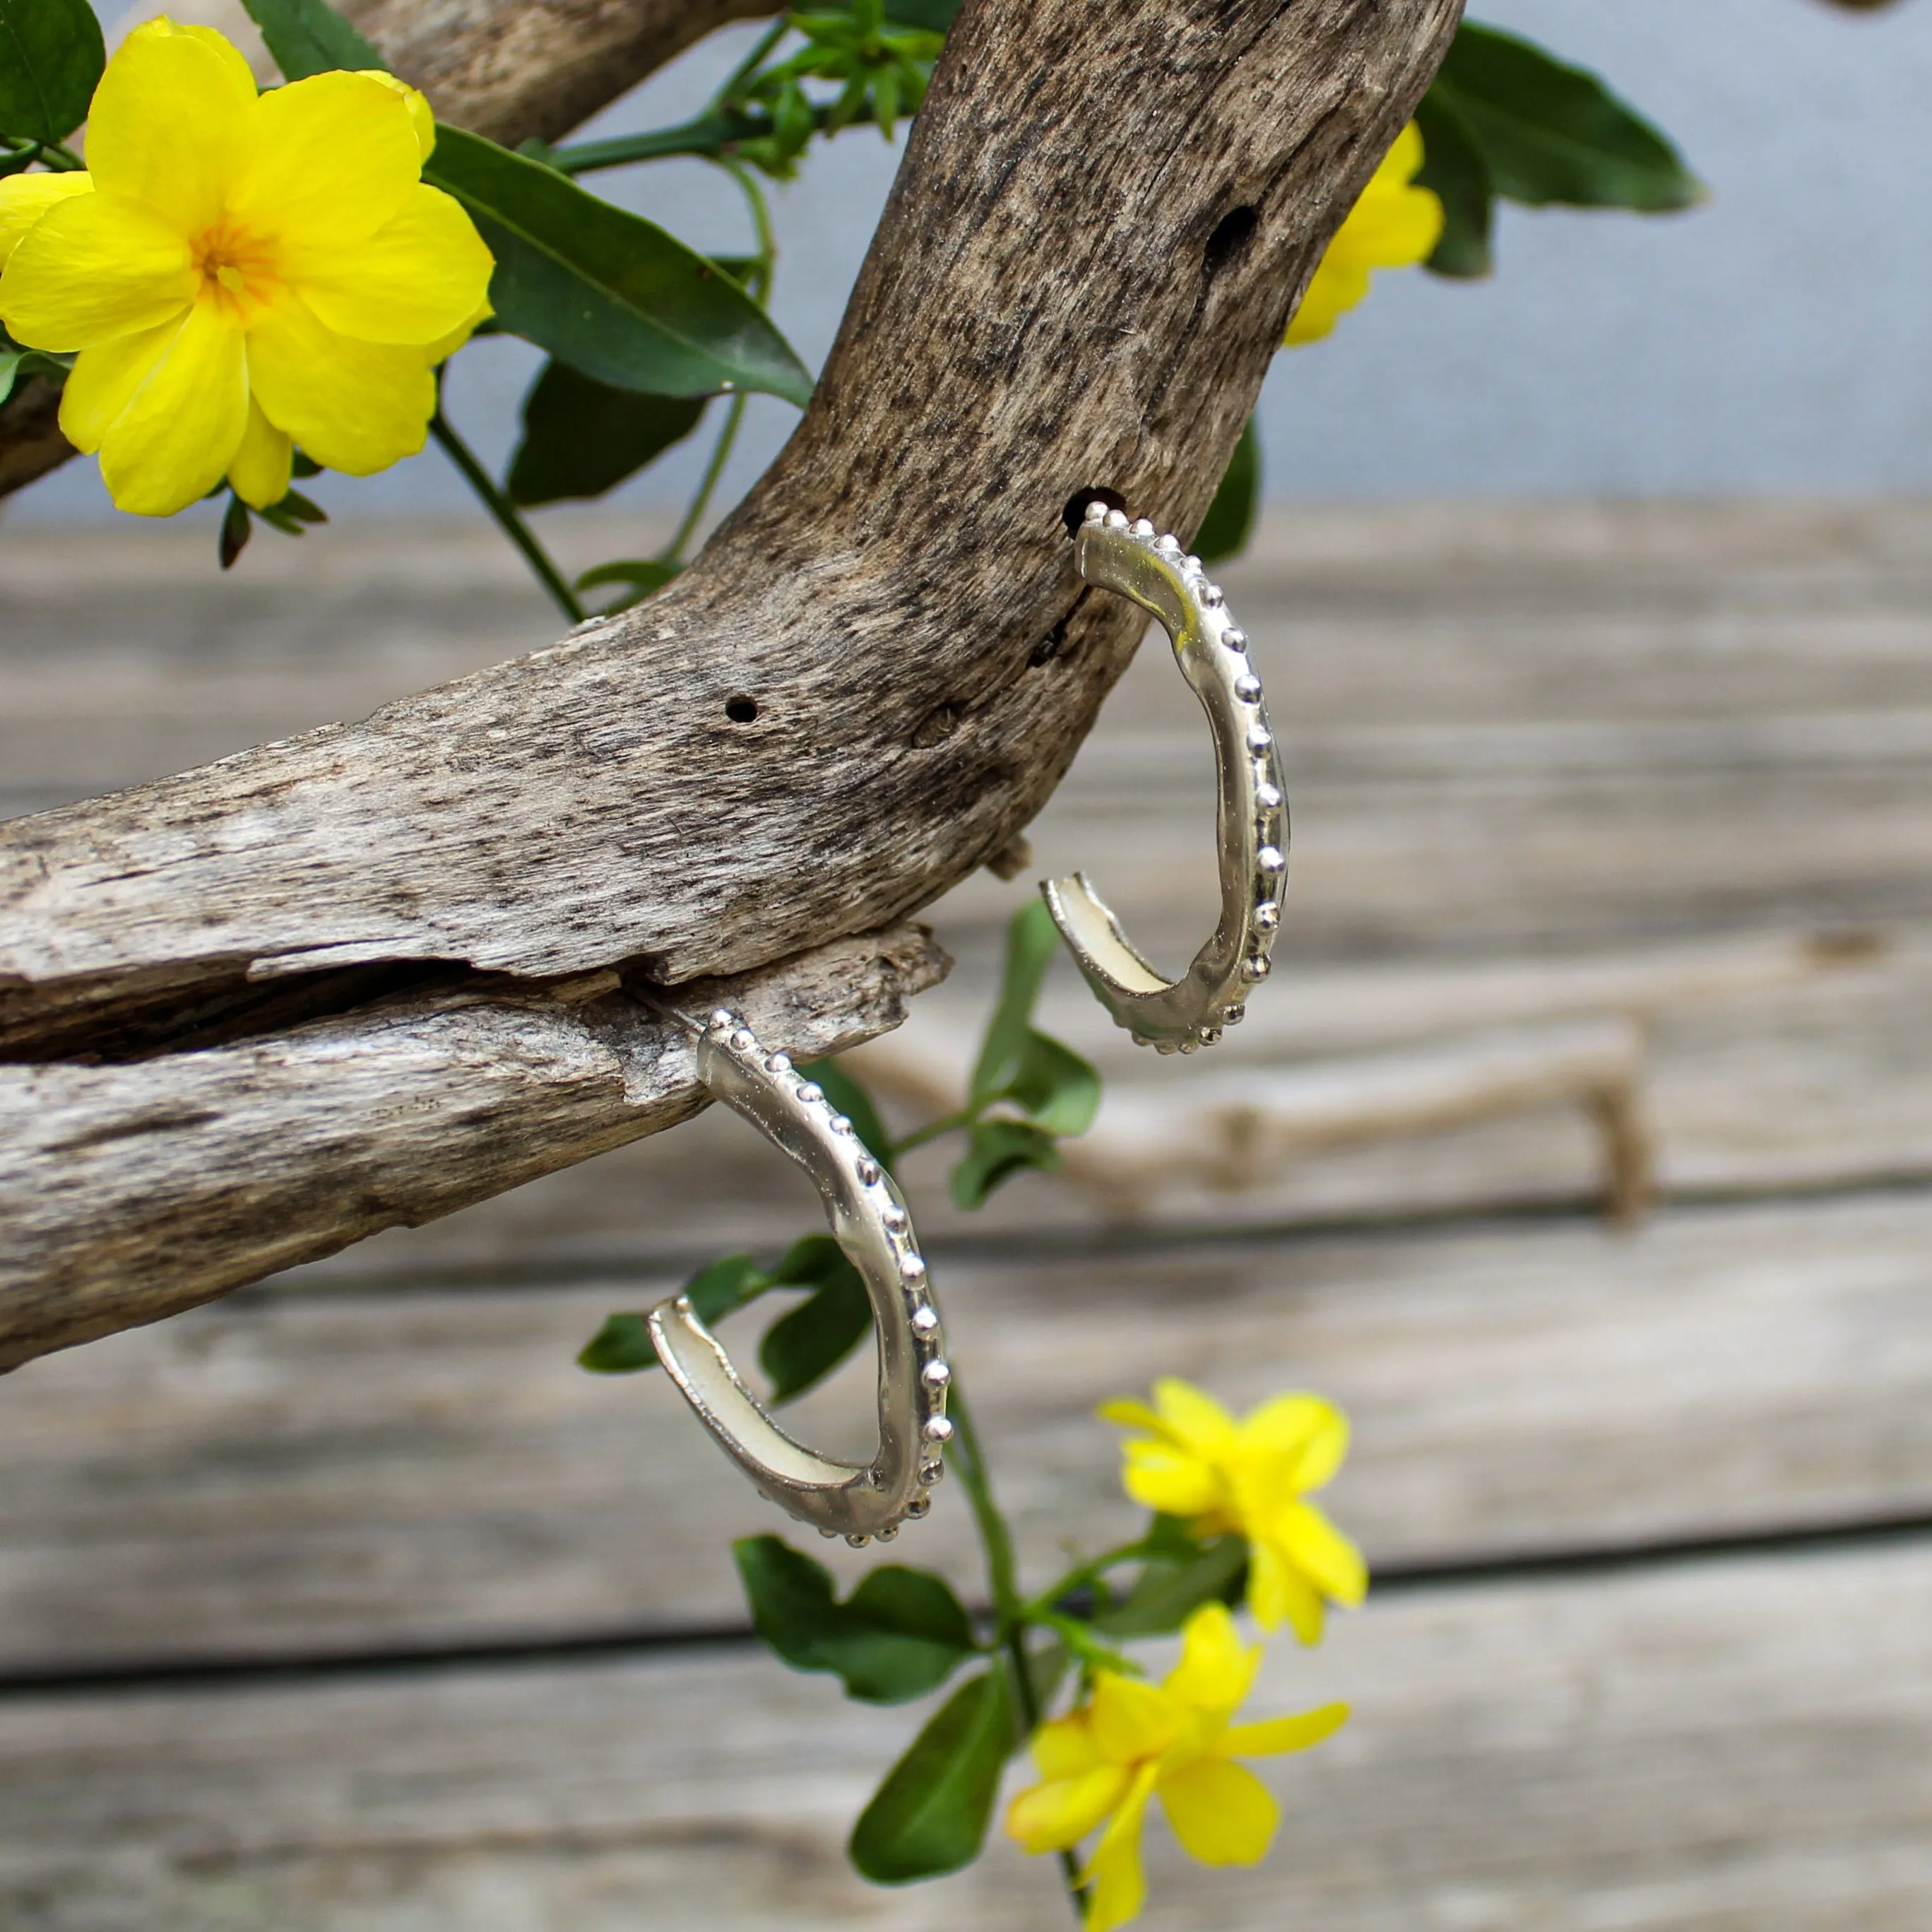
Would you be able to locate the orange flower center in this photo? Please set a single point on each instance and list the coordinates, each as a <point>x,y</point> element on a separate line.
<point>238,270</point>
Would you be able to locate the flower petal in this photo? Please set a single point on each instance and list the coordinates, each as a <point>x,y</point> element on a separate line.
<point>1055,1816</point>
<point>179,432</point>
<point>1306,1538</point>
<point>103,380</point>
<point>1131,1414</point>
<point>263,466</point>
<point>93,267</point>
<point>1193,1417</point>
<point>1119,1888</point>
<point>422,118</point>
<point>1274,1735</point>
<point>338,157</point>
<point>24,199</point>
<point>1222,1813</point>
<point>355,406</point>
<point>1173,1481</point>
<point>445,346</point>
<point>172,123</point>
<point>422,273</point>
<point>1279,1594</point>
<point>1216,1668</point>
<point>1131,1720</point>
<point>1286,1424</point>
<point>1064,1747</point>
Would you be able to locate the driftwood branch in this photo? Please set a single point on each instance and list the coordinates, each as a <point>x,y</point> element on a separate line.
<point>877,671</point>
<point>511,69</point>
<point>133,1192</point>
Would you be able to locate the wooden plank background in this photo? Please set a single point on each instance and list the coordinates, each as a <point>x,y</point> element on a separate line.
<point>350,1605</point>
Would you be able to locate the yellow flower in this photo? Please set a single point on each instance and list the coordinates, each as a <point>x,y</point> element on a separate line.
<point>240,273</point>
<point>1395,225</point>
<point>1248,1478</point>
<point>1103,1762</point>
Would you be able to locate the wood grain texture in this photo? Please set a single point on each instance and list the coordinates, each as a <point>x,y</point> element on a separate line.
<point>1695,1749</point>
<point>1039,311</point>
<point>893,604</point>
<point>288,1475</point>
<point>514,70</point>
<point>130,1192</point>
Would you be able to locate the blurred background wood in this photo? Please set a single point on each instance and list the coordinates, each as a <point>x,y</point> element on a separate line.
<point>350,1605</point>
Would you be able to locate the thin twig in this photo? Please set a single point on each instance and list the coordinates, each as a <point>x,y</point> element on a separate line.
<point>512,525</point>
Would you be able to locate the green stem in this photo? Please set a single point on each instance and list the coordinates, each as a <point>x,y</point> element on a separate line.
<point>761,223</point>
<point>969,1459</point>
<point>752,61</point>
<point>706,135</point>
<point>61,158</point>
<point>512,525</point>
<point>1081,1575</point>
<point>758,283</point>
<point>673,551</point>
<point>710,136</point>
<point>946,1124</point>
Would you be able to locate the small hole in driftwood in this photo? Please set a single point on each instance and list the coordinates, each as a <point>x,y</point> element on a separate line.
<point>1075,513</point>
<point>741,709</point>
<point>1229,241</point>
<point>1049,646</point>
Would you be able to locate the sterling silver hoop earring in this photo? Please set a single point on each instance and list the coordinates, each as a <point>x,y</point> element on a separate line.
<point>1211,649</point>
<point>869,1221</point>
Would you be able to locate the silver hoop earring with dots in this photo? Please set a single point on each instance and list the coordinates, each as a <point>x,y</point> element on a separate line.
<point>1128,558</point>
<point>869,1221</point>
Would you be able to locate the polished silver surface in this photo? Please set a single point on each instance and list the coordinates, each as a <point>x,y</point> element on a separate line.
<point>869,1221</point>
<point>1129,558</point>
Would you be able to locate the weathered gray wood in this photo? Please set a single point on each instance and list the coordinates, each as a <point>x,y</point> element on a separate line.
<point>1699,1749</point>
<point>130,1192</point>
<point>512,70</point>
<point>875,674</point>
<point>1765,1074</point>
<point>879,595</point>
<point>283,1475</point>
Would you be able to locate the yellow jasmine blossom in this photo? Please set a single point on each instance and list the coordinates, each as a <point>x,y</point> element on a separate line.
<point>1249,1478</point>
<point>1130,1741</point>
<point>240,273</point>
<point>1395,225</point>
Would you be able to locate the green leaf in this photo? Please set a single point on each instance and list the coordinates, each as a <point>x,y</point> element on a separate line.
<point>723,1287</point>
<point>931,17</point>
<point>1452,167</point>
<point>1230,520</point>
<point>1169,1591</point>
<point>308,37</point>
<point>930,1815</point>
<point>582,437</point>
<point>645,575</point>
<point>607,292</point>
<point>1551,133</point>
<point>623,1346</point>
<point>237,527</point>
<point>1032,940</point>
<point>51,56</point>
<point>805,1346</point>
<point>1054,1085</point>
<point>10,360</point>
<point>843,1090</point>
<point>996,1150</point>
<point>902,1634</point>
